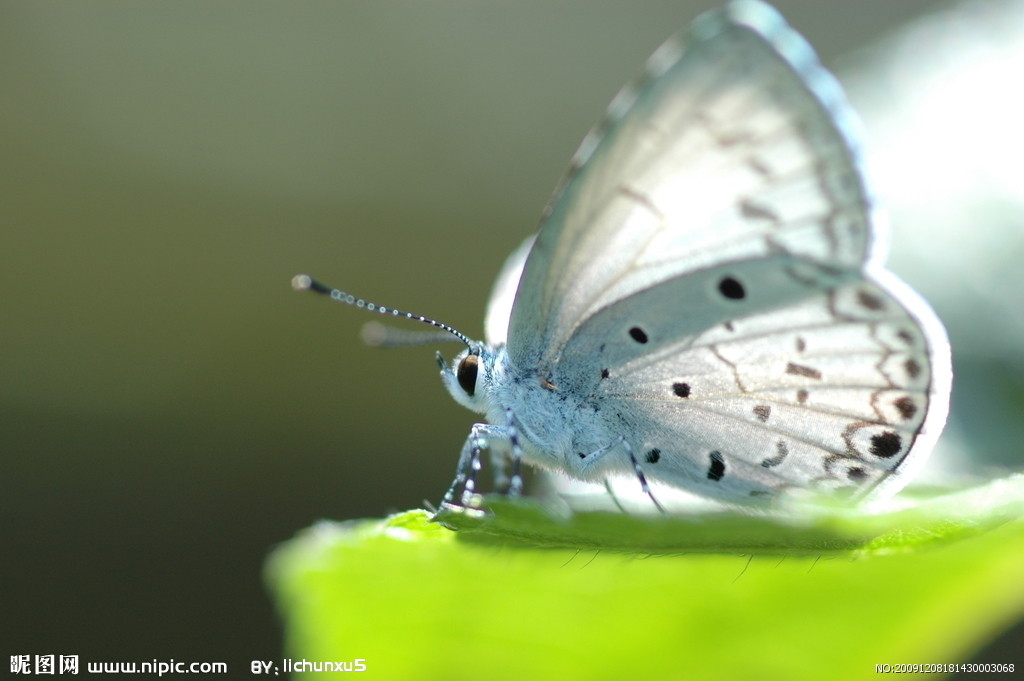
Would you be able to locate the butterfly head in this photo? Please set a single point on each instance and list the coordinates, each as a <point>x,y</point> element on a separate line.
<point>470,376</point>
<point>471,373</point>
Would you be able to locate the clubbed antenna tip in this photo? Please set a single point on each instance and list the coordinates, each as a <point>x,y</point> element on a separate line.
<point>304,282</point>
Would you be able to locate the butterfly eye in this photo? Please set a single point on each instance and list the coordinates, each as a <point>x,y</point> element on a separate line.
<point>467,373</point>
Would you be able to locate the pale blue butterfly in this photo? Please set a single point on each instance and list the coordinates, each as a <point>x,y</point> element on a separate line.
<point>703,307</point>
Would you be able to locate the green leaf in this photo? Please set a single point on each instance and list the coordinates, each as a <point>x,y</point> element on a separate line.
<point>526,593</point>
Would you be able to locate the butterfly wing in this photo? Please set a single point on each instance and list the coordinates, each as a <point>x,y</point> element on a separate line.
<point>503,293</point>
<point>830,391</point>
<point>706,277</point>
<point>732,145</point>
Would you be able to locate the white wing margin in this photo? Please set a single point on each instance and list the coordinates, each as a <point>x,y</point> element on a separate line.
<point>503,293</point>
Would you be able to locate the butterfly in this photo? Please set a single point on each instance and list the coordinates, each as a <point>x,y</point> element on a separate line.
<point>703,307</point>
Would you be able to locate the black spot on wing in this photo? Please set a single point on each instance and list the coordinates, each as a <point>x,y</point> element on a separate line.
<point>731,288</point>
<point>638,334</point>
<point>856,474</point>
<point>717,468</point>
<point>681,389</point>
<point>906,407</point>
<point>885,445</point>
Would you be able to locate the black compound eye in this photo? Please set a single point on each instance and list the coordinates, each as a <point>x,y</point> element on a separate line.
<point>467,373</point>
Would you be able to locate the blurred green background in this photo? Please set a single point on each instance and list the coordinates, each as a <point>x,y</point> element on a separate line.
<point>169,408</point>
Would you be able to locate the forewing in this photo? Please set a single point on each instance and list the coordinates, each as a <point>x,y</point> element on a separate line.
<point>733,145</point>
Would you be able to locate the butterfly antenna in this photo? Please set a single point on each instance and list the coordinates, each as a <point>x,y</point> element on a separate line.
<point>304,282</point>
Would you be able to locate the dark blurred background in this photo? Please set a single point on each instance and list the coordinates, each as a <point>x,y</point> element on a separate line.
<point>169,408</point>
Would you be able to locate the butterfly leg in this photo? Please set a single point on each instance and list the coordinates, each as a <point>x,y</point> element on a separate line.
<point>615,498</point>
<point>640,475</point>
<point>499,467</point>
<point>496,439</point>
<point>465,471</point>
<point>593,457</point>
<point>515,485</point>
